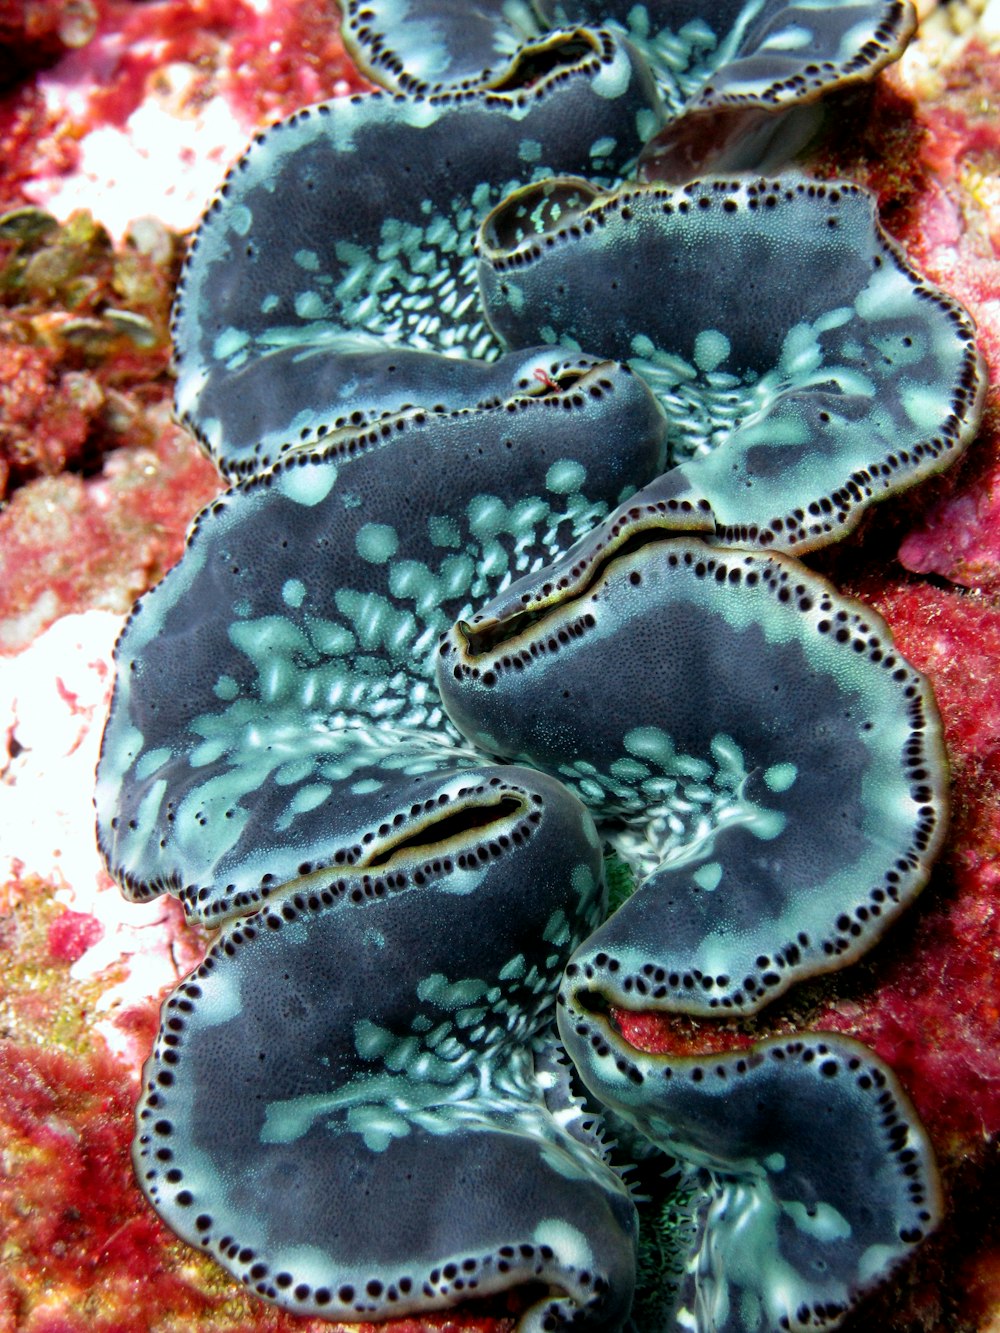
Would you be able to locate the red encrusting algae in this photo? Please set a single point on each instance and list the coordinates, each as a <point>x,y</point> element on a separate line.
<point>72,934</point>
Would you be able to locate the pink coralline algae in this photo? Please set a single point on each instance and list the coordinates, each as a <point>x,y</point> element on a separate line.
<point>939,195</point>
<point>72,934</point>
<point>935,1012</point>
<point>68,542</point>
<point>959,537</point>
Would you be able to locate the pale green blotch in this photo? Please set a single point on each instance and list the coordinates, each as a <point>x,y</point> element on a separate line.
<point>308,797</point>
<point>887,295</point>
<point>295,771</point>
<point>709,876</point>
<point>226,688</point>
<point>307,485</point>
<point>305,799</point>
<point>229,342</point>
<point>441,235</point>
<point>582,879</point>
<point>269,304</point>
<point>151,761</point>
<point>651,743</point>
<point>570,1245</point>
<point>465,1018</point>
<point>293,592</point>
<point>711,348</point>
<point>376,543</point>
<point>286,1121</point>
<point>793,37</point>
<point>269,641</point>
<point>149,809</point>
<point>482,197</point>
<point>515,297</point>
<point>765,824</point>
<point>488,515</point>
<point>876,1260</point>
<point>557,928</point>
<point>822,1220</point>
<point>602,147</point>
<point>647,123</point>
<point>514,970</point>
<point>377,624</point>
<point>779,777</point>
<point>377,1126</point>
<point>208,752</point>
<point>307,259</point>
<point>780,428</point>
<point>565,476</point>
<point>331,639</point>
<point>411,580</point>
<point>444,531</point>
<point>310,305</point>
<point>629,770</point>
<point>614,76</point>
<point>729,756</point>
<point>240,219</point>
<point>922,404</point>
<point>834,319</point>
<point>493,561</point>
<point>371,1041</point>
<point>222,1002</point>
<point>437,990</point>
<point>800,352</point>
<point>529,150</point>
<point>366,785</point>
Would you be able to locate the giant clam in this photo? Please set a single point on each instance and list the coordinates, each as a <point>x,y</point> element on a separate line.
<point>466,613</point>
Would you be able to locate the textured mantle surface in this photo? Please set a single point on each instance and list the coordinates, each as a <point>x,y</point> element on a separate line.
<point>99,487</point>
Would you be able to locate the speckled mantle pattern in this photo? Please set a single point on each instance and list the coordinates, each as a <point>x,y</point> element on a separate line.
<point>927,618</point>
<point>258,304</point>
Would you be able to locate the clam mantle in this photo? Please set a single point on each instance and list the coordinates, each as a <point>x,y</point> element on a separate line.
<point>279,744</point>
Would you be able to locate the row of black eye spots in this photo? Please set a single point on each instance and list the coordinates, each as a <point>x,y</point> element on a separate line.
<point>607,543</point>
<point>565,635</point>
<point>367,886</point>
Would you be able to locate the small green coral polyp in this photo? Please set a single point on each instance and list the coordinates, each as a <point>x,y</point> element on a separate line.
<point>358,1103</point>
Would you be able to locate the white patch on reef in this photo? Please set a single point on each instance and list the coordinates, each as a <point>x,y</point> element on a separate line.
<point>165,162</point>
<point>167,159</point>
<point>58,691</point>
